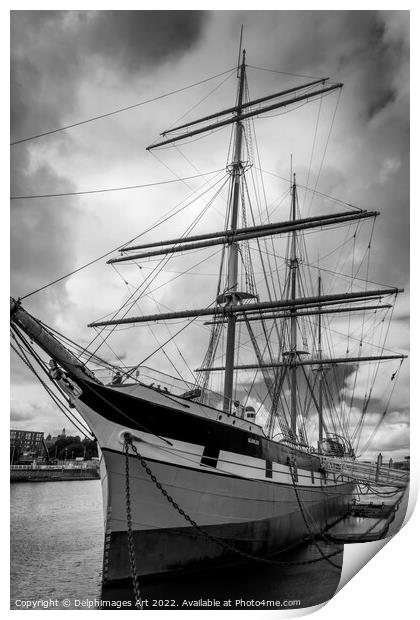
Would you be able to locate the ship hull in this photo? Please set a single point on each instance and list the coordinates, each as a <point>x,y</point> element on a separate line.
<point>237,485</point>
<point>252,516</point>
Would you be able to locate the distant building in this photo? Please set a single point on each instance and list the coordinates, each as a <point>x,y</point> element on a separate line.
<point>25,444</point>
<point>50,441</point>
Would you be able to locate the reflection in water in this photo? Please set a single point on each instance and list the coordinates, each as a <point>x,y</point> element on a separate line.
<point>305,585</point>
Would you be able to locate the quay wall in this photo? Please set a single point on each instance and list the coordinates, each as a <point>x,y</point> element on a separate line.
<point>51,475</point>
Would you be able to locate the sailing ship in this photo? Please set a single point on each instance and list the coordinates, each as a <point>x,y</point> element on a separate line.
<point>192,476</point>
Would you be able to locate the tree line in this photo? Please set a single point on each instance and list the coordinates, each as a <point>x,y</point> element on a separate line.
<point>69,447</point>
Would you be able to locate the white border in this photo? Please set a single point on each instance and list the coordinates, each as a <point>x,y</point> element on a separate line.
<point>386,586</point>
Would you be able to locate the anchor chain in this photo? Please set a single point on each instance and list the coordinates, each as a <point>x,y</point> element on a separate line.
<point>130,538</point>
<point>308,527</point>
<point>215,539</point>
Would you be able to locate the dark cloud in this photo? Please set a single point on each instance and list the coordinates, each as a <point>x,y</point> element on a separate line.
<point>352,46</point>
<point>382,99</point>
<point>135,39</point>
<point>51,50</point>
<point>381,59</point>
<point>41,232</point>
<point>44,62</point>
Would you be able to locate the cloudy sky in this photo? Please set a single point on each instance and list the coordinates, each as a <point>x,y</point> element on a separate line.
<point>71,66</point>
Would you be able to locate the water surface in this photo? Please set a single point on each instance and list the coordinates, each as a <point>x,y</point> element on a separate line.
<point>56,540</point>
<point>56,553</point>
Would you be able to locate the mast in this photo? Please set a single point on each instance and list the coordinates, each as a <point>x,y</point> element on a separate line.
<point>229,307</point>
<point>293,264</point>
<point>230,296</point>
<point>320,413</point>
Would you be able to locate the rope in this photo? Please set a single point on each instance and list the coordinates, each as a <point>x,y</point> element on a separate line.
<point>169,339</point>
<point>114,189</point>
<point>55,399</point>
<point>118,111</point>
<point>162,263</point>
<point>171,213</point>
<point>77,347</point>
<point>312,77</point>
<point>313,190</point>
<point>180,118</point>
<point>312,152</point>
<point>325,151</point>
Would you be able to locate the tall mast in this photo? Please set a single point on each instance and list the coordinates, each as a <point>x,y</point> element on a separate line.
<point>320,370</point>
<point>231,296</point>
<point>293,319</point>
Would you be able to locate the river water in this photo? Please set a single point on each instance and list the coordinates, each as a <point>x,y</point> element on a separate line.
<point>56,540</point>
<point>56,556</point>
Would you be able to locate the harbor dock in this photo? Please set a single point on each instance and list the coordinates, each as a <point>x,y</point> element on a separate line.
<point>373,518</point>
<point>53,473</point>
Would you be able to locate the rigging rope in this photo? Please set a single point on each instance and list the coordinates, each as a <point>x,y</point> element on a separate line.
<point>313,190</point>
<point>156,338</point>
<point>375,430</point>
<point>118,111</point>
<point>161,220</point>
<point>311,77</point>
<point>201,100</point>
<point>162,263</point>
<point>325,150</point>
<point>63,408</point>
<point>115,189</point>
<point>312,150</point>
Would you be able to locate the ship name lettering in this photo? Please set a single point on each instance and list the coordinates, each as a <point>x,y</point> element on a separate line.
<point>255,441</point>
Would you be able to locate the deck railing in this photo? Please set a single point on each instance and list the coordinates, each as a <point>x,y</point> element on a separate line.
<point>150,377</point>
